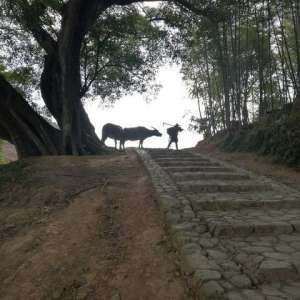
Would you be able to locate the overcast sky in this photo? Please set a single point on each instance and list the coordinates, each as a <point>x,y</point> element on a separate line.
<point>172,105</point>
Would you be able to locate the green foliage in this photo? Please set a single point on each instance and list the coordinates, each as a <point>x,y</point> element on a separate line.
<point>122,54</point>
<point>280,140</point>
<point>1,154</point>
<point>12,173</point>
<point>242,61</point>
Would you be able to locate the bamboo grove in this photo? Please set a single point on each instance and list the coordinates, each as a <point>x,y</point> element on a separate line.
<point>242,63</point>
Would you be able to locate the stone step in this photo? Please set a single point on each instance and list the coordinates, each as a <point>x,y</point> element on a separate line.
<point>240,244</point>
<point>213,186</point>
<point>196,169</point>
<point>168,152</point>
<point>174,156</point>
<point>230,201</point>
<point>267,259</point>
<point>284,291</point>
<point>180,159</point>
<point>186,176</point>
<point>248,222</point>
<point>171,154</point>
<point>178,163</point>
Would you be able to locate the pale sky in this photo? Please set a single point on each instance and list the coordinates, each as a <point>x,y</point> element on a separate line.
<point>172,105</point>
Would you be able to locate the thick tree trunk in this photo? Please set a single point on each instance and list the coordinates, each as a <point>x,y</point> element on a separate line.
<point>60,88</point>
<point>51,86</point>
<point>52,95</point>
<point>23,127</point>
<point>76,127</point>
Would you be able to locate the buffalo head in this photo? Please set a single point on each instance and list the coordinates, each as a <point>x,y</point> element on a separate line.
<point>156,132</point>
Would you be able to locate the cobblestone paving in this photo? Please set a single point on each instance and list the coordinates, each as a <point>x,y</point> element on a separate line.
<point>237,234</point>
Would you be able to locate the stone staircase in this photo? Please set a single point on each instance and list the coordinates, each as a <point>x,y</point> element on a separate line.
<point>237,234</point>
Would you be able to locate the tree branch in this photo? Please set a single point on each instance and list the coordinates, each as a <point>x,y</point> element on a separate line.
<point>31,20</point>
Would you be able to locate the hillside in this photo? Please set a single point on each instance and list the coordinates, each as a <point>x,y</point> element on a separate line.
<point>276,137</point>
<point>259,164</point>
<point>83,228</point>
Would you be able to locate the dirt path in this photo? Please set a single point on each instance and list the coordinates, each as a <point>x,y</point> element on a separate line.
<point>106,243</point>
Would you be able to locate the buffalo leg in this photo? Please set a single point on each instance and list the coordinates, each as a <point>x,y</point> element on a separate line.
<point>141,143</point>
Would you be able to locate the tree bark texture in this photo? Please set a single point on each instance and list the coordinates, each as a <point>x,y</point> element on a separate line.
<point>23,127</point>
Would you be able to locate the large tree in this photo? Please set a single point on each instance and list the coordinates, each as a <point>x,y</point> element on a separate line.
<point>81,46</point>
<point>103,47</point>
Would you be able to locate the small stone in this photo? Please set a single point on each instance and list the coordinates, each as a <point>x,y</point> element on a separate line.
<point>180,239</point>
<point>296,256</point>
<point>241,281</point>
<point>211,289</point>
<point>235,296</point>
<point>116,296</point>
<point>208,243</point>
<point>172,218</point>
<point>252,295</point>
<point>226,285</point>
<point>217,255</point>
<point>274,265</point>
<point>257,249</point>
<point>183,227</point>
<point>228,274</point>
<point>194,261</point>
<point>189,248</point>
<point>230,266</point>
<point>284,249</point>
<point>287,238</point>
<point>201,276</point>
<point>271,291</point>
<point>277,255</point>
<point>255,259</point>
<point>293,291</point>
<point>295,245</point>
<point>296,225</point>
<point>83,293</point>
<point>188,214</point>
<point>241,258</point>
<point>201,228</point>
<point>57,293</point>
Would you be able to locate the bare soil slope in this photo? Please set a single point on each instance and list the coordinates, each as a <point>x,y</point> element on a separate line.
<point>83,228</point>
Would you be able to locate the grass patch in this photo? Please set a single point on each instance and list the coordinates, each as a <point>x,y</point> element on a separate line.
<point>12,173</point>
<point>2,160</point>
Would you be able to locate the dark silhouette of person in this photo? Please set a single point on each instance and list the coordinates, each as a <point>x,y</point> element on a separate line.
<point>173,134</point>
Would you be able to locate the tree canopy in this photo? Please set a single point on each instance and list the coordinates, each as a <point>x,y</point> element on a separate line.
<point>242,63</point>
<point>240,59</point>
<point>65,51</point>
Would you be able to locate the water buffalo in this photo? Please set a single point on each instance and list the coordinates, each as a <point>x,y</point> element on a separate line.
<point>138,134</point>
<point>112,131</point>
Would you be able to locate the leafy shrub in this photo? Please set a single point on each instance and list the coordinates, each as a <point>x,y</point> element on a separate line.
<point>279,139</point>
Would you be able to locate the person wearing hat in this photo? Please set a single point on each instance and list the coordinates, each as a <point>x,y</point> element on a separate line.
<point>173,134</point>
